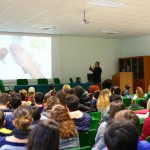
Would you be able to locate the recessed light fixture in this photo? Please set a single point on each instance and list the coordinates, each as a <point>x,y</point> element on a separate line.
<point>111,31</point>
<point>105,3</point>
<point>44,27</point>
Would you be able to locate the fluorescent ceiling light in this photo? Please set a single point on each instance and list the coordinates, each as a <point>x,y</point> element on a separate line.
<point>111,31</point>
<point>105,3</point>
<point>44,27</point>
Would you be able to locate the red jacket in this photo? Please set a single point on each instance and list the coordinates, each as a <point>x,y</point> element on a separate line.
<point>146,129</point>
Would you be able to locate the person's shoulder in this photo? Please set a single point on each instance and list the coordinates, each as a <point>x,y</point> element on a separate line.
<point>3,141</point>
<point>143,145</point>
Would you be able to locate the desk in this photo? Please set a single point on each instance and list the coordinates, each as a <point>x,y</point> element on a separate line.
<point>45,87</point>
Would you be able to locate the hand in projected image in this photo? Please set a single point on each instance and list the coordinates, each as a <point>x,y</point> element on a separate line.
<point>3,53</point>
<point>24,59</point>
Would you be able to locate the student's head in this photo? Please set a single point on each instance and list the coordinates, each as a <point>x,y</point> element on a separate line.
<point>65,87</point>
<point>2,118</point>
<point>36,115</point>
<point>97,64</point>
<point>121,135</point>
<point>128,115</point>
<point>115,107</point>
<point>62,96</point>
<point>66,125</point>
<point>46,96</point>
<point>45,136</point>
<point>31,92</point>
<point>72,102</point>
<point>4,99</point>
<point>79,91</point>
<point>115,97</point>
<point>39,97</point>
<point>52,86</point>
<point>69,91</point>
<point>51,101</point>
<point>103,99</point>
<point>15,101</point>
<point>127,86</point>
<point>96,94</point>
<point>93,88</point>
<point>117,90</point>
<point>22,118</point>
<point>23,94</point>
<point>139,92</point>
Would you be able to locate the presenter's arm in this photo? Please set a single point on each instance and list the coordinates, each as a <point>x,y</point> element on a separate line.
<point>90,68</point>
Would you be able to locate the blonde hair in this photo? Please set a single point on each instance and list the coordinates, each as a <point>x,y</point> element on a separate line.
<point>22,118</point>
<point>65,87</point>
<point>31,92</point>
<point>103,99</point>
<point>139,92</point>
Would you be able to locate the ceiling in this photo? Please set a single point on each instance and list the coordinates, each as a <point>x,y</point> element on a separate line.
<point>132,19</point>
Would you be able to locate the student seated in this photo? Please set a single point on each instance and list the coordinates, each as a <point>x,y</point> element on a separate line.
<point>139,94</point>
<point>121,135</point>
<point>82,120</point>
<point>45,136</point>
<point>126,91</point>
<point>3,131</point>
<point>68,132</point>
<point>65,87</point>
<point>22,120</point>
<point>39,97</point>
<point>61,96</point>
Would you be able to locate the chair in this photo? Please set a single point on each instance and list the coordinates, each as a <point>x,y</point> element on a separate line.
<point>138,108</point>
<point>127,101</point>
<point>22,82</point>
<point>139,101</point>
<point>42,81</point>
<point>3,88</point>
<point>142,120</point>
<point>148,139</point>
<point>56,80</point>
<point>140,128</point>
<point>96,115</point>
<point>82,148</point>
<point>71,80</point>
<point>87,138</point>
<point>94,124</point>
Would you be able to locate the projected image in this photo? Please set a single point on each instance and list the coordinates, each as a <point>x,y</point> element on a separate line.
<point>25,57</point>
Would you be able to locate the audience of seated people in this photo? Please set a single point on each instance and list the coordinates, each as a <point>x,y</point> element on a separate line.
<point>103,102</point>
<point>68,132</point>
<point>82,120</point>
<point>115,106</point>
<point>65,115</point>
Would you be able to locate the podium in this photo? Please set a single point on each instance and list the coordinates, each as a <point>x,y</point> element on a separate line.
<point>122,78</point>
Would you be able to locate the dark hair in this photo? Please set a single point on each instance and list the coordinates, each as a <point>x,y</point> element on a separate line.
<point>115,107</point>
<point>36,115</point>
<point>96,94</point>
<point>117,90</point>
<point>69,91</point>
<point>39,97</point>
<point>4,99</point>
<point>45,136</point>
<point>78,91</point>
<point>72,102</point>
<point>52,86</point>
<point>115,97</point>
<point>128,115</point>
<point>2,118</point>
<point>97,62</point>
<point>121,135</point>
<point>127,86</point>
<point>62,97</point>
<point>15,100</point>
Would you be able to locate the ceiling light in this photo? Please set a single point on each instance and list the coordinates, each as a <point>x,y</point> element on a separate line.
<point>111,31</point>
<point>105,3</point>
<point>44,27</point>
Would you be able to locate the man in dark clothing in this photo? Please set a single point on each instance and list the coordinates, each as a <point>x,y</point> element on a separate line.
<point>97,71</point>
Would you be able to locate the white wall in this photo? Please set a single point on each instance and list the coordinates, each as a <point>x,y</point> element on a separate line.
<point>78,53</point>
<point>138,46</point>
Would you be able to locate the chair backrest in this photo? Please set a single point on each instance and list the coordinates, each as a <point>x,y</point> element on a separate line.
<point>127,101</point>
<point>82,148</point>
<point>22,82</point>
<point>138,108</point>
<point>42,81</point>
<point>148,139</point>
<point>96,115</point>
<point>94,124</point>
<point>140,128</point>
<point>87,138</point>
<point>56,80</point>
<point>2,89</point>
<point>139,101</point>
<point>71,80</point>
